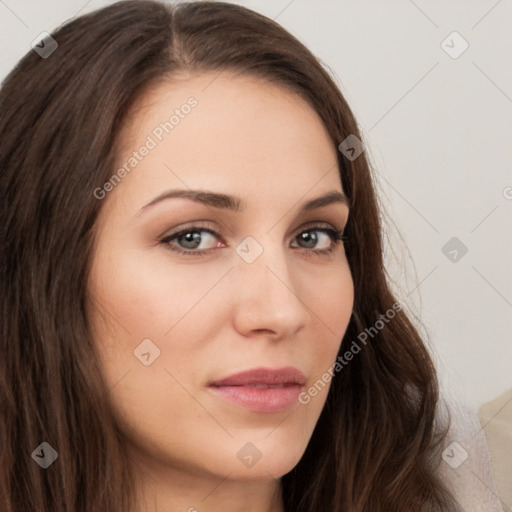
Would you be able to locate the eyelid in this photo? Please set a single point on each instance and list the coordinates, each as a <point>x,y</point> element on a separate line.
<point>203,224</point>
<point>321,224</point>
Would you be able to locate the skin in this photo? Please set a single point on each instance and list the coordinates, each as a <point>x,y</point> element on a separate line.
<point>215,315</point>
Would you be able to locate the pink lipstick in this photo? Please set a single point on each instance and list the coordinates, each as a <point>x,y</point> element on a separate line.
<point>262,389</point>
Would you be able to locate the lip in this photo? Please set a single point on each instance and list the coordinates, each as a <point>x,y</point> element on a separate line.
<point>262,389</point>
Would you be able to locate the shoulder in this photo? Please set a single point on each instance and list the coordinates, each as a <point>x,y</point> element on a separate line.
<point>496,420</point>
<point>466,464</point>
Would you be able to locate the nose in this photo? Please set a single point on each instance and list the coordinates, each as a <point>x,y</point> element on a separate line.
<point>267,297</point>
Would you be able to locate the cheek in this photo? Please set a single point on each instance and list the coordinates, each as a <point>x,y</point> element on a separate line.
<point>331,303</point>
<point>145,292</point>
<point>331,309</point>
<point>142,295</point>
<point>137,298</point>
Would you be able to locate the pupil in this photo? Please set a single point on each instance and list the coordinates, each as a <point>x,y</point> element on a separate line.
<point>189,237</point>
<point>312,238</point>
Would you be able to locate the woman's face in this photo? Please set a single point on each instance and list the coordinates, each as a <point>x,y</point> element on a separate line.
<point>251,295</point>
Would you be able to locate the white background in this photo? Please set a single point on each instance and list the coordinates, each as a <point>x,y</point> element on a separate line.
<point>438,134</point>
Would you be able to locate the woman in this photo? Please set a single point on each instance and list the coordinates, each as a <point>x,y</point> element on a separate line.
<point>271,369</point>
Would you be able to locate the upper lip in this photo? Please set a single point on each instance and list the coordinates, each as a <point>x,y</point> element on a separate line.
<point>264,376</point>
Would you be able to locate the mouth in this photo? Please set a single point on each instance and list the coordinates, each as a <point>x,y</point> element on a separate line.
<point>261,389</point>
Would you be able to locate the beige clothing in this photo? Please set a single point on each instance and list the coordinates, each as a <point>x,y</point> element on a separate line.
<point>496,420</point>
<point>466,463</point>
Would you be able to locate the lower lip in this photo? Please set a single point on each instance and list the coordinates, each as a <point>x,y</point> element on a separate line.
<point>260,399</point>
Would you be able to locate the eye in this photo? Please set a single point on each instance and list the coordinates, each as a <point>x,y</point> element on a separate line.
<point>310,238</point>
<point>191,239</point>
<point>187,241</point>
<point>331,237</point>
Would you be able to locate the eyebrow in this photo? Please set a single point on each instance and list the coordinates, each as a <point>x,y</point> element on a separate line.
<point>236,204</point>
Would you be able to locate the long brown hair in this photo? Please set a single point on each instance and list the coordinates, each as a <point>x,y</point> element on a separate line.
<point>376,445</point>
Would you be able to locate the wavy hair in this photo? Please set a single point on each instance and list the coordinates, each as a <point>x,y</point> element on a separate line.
<point>376,446</point>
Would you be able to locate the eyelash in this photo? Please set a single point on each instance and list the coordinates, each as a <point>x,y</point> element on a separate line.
<point>334,234</point>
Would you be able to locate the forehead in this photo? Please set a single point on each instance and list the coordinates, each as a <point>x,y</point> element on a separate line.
<point>241,132</point>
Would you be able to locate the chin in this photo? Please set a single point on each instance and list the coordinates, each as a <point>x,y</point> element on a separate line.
<point>261,460</point>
